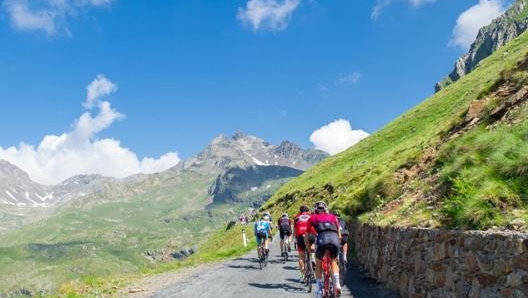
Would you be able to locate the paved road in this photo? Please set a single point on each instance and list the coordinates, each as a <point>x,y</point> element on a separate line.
<point>242,277</point>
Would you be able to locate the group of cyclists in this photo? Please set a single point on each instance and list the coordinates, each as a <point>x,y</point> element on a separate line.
<point>315,231</point>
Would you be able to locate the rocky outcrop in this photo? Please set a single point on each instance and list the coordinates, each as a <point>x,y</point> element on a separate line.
<point>252,184</point>
<point>429,263</point>
<point>502,30</point>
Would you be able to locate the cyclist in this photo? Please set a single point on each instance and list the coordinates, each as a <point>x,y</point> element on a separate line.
<point>285,230</point>
<point>267,216</point>
<point>344,234</point>
<point>300,227</point>
<point>262,230</point>
<point>328,237</point>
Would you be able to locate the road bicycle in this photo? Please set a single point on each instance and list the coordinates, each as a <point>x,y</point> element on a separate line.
<point>262,255</point>
<point>308,270</point>
<point>329,289</point>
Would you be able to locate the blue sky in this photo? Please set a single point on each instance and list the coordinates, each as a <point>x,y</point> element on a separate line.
<point>119,87</point>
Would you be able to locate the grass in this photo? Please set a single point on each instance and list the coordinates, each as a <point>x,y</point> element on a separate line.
<point>361,180</point>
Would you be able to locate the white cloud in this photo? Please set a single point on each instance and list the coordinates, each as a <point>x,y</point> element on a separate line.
<point>79,151</point>
<point>336,136</point>
<point>268,14</point>
<point>351,78</point>
<point>49,16</point>
<point>381,4</point>
<point>471,20</point>
<point>98,88</point>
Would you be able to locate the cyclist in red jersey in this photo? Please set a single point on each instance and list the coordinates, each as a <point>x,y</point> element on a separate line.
<point>300,227</point>
<point>328,237</point>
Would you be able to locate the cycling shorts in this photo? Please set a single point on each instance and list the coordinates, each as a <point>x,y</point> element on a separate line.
<point>285,231</point>
<point>327,240</point>
<point>301,247</point>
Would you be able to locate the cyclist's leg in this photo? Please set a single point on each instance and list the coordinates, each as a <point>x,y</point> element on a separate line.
<point>288,238</point>
<point>319,252</point>
<point>301,250</point>
<point>333,249</point>
<point>281,235</point>
<point>345,252</point>
<point>258,239</point>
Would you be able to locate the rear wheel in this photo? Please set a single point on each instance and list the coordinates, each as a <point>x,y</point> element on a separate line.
<point>308,271</point>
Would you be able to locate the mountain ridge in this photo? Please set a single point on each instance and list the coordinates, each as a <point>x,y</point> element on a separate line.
<point>489,38</point>
<point>19,194</point>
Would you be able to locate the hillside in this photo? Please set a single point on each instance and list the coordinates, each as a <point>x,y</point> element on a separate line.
<point>93,227</point>
<point>458,159</point>
<point>489,38</point>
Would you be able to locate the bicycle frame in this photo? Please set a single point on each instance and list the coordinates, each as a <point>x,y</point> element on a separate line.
<point>262,257</point>
<point>326,266</point>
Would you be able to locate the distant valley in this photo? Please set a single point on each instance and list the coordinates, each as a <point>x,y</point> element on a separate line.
<point>90,224</point>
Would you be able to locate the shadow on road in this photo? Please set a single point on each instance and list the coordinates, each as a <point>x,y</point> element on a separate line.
<point>250,267</point>
<point>361,285</point>
<point>292,287</point>
<point>265,285</point>
<point>289,267</point>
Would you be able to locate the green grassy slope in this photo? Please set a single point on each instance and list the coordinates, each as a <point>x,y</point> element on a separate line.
<point>110,237</point>
<point>368,181</point>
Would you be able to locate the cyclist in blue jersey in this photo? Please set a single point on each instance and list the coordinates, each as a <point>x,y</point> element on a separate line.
<point>262,231</point>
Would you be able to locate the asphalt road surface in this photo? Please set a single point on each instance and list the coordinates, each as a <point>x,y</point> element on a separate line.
<point>242,277</point>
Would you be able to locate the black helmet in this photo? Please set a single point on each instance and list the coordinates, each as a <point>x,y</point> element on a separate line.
<point>320,206</point>
<point>304,208</point>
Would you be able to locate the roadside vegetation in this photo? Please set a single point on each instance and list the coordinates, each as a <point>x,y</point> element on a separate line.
<point>457,160</point>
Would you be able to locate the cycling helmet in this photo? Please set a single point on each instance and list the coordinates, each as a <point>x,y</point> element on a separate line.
<point>320,206</point>
<point>304,208</point>
<point>285,214</point>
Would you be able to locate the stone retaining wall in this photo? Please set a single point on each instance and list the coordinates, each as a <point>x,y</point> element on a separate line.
<point>430,263</point>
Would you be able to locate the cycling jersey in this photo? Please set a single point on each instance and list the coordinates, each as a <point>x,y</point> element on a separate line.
<point>343,226</point>
<point>262,226</point>
<point>300,223</point>
<point>323,222</point>
<point>327,227</point>
<point>284,222</point>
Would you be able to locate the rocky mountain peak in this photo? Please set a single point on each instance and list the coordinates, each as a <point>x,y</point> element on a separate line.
<point>10,171</point>
<point>502,30</point>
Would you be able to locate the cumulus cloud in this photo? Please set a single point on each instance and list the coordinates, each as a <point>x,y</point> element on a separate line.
<point>268,14</point>
<point>471,20</point>
<point>336,136</point>
<point>79,151</point>
<point>49,16</point>
<point>381,4</point>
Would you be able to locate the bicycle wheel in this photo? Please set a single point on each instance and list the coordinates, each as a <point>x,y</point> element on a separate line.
<point>308,271</point>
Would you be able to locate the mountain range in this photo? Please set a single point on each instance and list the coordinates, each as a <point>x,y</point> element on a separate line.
<point>241,168</point>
